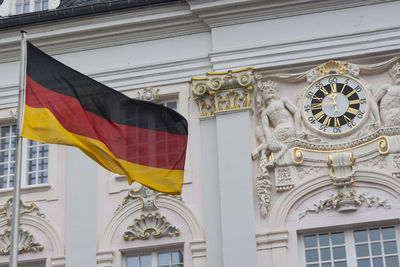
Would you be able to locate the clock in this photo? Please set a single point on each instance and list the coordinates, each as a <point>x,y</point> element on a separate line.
<point>335,104</point>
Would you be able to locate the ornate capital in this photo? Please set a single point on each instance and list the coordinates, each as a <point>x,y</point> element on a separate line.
<point>223,91</point>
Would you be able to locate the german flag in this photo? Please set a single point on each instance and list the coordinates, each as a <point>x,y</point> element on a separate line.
<point>142,140</point>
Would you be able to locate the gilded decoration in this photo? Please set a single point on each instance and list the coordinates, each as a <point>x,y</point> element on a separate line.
<point>223,91</point>
<point>26,242</point>
<point>150,225</point>
<point>29,207</point>
<point>359,127</point>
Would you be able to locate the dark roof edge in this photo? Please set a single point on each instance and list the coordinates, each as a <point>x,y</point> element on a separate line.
<point>18,21</point>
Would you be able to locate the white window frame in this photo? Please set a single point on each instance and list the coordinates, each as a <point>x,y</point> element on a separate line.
<point>46,191</point>
<point>349,242</point>
<point>154,254</point>
<point>8,7</point>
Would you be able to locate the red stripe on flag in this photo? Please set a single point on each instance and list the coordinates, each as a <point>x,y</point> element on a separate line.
<point>136,145</point>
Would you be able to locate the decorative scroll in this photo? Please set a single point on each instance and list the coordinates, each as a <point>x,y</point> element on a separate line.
<point>149,94</point>
<point>346,200</point>
<point>150,225</point>
<point>26,242</point>
<point>24,208</point>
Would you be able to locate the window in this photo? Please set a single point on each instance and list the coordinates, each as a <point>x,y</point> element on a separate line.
<point>156,259</point>
<point>171,104</point>
<point>35,159</point>
<point>373,247</point>
<point>25,6</point>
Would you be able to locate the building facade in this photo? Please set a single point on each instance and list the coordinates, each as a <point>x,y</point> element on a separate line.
<point>294,134</point>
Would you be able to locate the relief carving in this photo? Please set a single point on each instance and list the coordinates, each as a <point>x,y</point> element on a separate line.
<point>388,97</point>
<point>26,242</point>
<point>346,200</point>
<point>150,225</point>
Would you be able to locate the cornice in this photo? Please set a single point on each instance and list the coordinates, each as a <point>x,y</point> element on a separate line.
<point>302,52</point>
<point>225,13</point>
<point>104,31</point>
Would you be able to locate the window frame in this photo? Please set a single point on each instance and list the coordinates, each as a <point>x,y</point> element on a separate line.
<point>9,7</point>
<point>47,191</point>
<point>153,252</point>
<point>349,241</point>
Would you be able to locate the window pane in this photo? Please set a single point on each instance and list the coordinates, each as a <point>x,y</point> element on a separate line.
<point>388,233</point>
<point>311,255</point>
<point>362,250</point>
<point>177,257</point>
<point>337,238</point>
<point>378,262</point>
<point>312,265</point>
<point>363,263</point>
<point>163,258</point>
<point>392,261</point>
<point>145,260</point>
<point>42,177</point>
<point>340,264</point>
<point>326,264</point>
<point>38,6</point>
<point>32,178</point>
<point>324,240</point>
<point>374,234</point>
<point>325,254</point>
<point>310,241</point>
<point>376,249</point>
<point>339,253</point>
<point>45,4</point>
<point>390,247</point>
<point>5,143</point>
<point>132,261</point>
<point>26,7</point>
<point>5,130</point>
<point>360,236</point>
<point>3,182</point>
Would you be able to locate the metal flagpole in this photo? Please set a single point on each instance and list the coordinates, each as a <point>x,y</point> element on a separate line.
<point>18,157</point>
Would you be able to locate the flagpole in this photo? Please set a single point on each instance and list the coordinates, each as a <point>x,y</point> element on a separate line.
<point>18,157</point>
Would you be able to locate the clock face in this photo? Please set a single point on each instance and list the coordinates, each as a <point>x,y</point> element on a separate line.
<point>335,104</point>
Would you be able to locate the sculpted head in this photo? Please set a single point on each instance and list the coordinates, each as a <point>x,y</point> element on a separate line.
<point>395,73</point>
<point>268,90</point>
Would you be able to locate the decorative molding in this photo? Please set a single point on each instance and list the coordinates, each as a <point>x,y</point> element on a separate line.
<point>346,200</point>
<point>341,165</point>
<point>147,196</point>
<point>163,201</point>
<point>29,207</point>
<point>273,239</point>
<point>149,94</point>
<point>396,162</point>
<point>283,179</point>
<point>378,161</point>
<point>150,225</point>
<point>223,91</point>
<point>263,185</point>
<point>303,171</point>
<point>26,242</point>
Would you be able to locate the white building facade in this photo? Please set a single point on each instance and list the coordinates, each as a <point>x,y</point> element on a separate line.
<point>294,134</point>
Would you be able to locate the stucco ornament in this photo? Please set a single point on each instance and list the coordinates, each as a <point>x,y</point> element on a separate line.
<point>346,200</point>
<point>29,207</point>
<point>277,119</point>
<point>150,225</point>
<point>26,242</point>
<point>149,94</point>
<point>220,92</point>
<point>146,195</point>
<point>388,97</point>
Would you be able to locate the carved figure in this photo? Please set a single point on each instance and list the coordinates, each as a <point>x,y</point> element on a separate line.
<point>276,118</point>
<point>388,98</point>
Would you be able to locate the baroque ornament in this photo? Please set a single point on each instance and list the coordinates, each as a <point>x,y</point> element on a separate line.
<point>223,91</point>
<point>26,242</point>
<point>149,94</point>
<point>150,225</point>
<point>346,200</point>
<point>146,195</point>
<point>6,210</point>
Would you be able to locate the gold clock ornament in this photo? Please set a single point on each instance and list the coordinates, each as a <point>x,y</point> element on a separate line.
<point>335,104</point>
